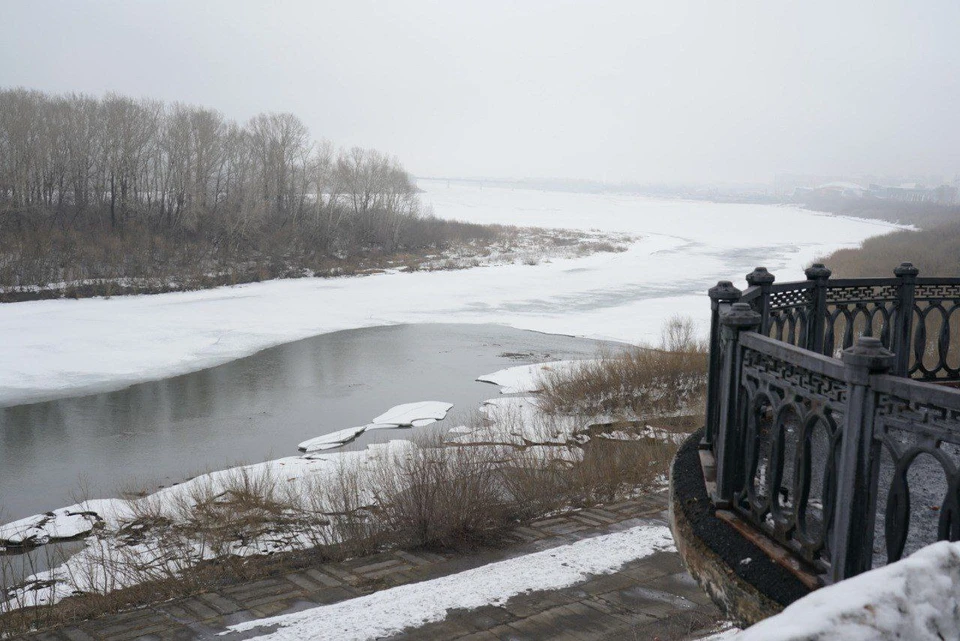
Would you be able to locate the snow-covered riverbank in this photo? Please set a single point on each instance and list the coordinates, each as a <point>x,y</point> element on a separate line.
<point>64,348</point>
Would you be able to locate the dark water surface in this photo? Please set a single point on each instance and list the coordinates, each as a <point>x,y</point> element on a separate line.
<point>251,409</point>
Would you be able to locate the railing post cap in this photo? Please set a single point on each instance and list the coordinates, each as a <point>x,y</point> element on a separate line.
<point>760,276</point>
<point>868,353</point>
<point>817,271</point>
<point>724,291</point>
<point>740,315</point>
<point>905,269</point>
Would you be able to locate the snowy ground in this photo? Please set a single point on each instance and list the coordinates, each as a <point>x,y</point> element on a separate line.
<point>65,347</point>
<point>917,598</point>
<point>388,612</point>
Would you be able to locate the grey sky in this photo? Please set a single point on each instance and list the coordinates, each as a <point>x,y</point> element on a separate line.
<point>614,90</point>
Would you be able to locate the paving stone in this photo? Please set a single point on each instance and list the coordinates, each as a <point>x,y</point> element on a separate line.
<point>586,520</point>
<point>529,533</point>
<point>546,625</point>
<point>200,609</point>
<point>342,574</point>
<point>376,567</point>
<point>303,581</point>
<point>682,584</point>
<point>607,583</point>
<point>323,578</point>
<point>479,636</point>
<point>135,633</point>
<point>485,617</point>
<point>599,514</point>
<point>218,602</point>
<point>412,558</point>
<point>378,574</point>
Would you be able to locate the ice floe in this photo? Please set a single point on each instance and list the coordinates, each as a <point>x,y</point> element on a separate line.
<point>419,414</point>
<point>332,440</point>
<point>65,523</point>
<point>526,379</point>
<point>412,415</point>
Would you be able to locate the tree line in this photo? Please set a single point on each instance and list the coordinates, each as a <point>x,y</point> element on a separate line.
<point>115,187</point>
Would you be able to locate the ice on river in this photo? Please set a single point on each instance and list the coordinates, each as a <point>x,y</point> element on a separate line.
<point>526,379</point>
<point>419,414</point>
<point>412,414</point>
<point>61,348</point>
<point>332,440</point>
<point>65,523</point>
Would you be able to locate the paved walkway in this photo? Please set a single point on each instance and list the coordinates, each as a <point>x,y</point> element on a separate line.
<point>653,598</point>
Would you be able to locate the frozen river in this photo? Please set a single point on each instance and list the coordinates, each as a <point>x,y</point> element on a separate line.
<point>61,348</point>
<point>187,420</point>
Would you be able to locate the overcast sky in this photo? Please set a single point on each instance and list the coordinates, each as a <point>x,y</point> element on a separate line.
<point>610,90</point>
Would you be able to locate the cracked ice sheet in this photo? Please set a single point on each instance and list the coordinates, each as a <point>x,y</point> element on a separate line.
<point>332,440</point>
<point>411,414</point>
<point>419,414</point>
<point>527,379</point>
<point>65,523</point>
<point>388,612</point>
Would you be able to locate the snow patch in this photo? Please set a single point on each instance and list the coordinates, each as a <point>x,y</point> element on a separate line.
<point>527,379</point>
<point>388,612</point>
<point>917,598</point>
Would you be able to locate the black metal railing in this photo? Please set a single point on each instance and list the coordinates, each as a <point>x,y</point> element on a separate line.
<point>827,429</point>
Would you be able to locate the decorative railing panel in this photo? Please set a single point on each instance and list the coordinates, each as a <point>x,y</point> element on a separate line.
<point>820,440</point>
<point>790,310</point>
<point>918,492</point>
<point>790,444</point>
<point>935,345</point>
<point>862,307</point>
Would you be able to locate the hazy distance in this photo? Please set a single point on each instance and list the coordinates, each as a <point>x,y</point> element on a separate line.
<point>615,90</point>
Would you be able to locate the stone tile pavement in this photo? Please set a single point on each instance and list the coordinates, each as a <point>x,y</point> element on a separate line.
<point>652,598</point>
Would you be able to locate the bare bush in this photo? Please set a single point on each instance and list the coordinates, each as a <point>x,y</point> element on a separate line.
<point>443,496</point>
<point>637,382</point>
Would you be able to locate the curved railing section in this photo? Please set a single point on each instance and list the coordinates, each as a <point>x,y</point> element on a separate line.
<point>831,415</point>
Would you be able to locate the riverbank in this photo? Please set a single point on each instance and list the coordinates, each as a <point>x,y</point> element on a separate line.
<point>520,464</point>
<point>498,245</point>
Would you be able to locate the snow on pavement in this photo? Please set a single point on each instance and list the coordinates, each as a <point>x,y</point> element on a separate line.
<point>388,612</point>
<point>66,347</point>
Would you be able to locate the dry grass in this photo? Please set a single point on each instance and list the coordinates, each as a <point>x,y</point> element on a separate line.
<point>935,251</point>
<point>638,382</point>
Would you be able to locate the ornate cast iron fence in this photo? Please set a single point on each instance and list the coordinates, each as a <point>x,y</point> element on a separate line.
<point>828,434</point>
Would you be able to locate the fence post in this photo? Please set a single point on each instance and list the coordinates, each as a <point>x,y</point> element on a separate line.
<point>816,323</point>
<point>900,342</point>
<point>740,318</point>
<point>723,294</point>
<point>760,277</point>
<point>855,507</point>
